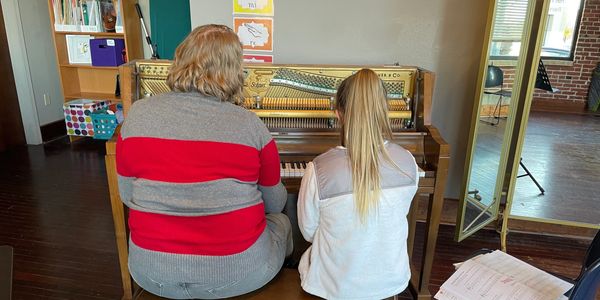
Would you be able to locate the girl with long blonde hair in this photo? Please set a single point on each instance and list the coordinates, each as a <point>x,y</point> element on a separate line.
<point>354,200</point>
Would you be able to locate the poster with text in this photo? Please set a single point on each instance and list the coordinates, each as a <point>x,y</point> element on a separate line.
<point>252,58</point>
<point>256,34</point>
<point>253,7</point>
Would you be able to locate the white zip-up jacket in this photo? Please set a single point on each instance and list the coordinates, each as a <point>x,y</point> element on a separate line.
<point>348,259</point>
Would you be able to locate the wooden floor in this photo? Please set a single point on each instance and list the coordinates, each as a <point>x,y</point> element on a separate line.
<point>562,151</point>
<point>55,212</point>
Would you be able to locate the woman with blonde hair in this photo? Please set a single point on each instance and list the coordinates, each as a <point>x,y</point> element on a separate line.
<point>354,200</point>
<point>200,176</point>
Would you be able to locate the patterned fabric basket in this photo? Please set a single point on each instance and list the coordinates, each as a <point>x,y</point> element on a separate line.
<point>105,123</point>
<point>78,118</point>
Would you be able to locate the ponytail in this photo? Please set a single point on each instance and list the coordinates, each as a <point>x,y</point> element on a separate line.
<point>362,105</point>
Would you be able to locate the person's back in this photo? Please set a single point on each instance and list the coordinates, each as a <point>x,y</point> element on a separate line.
<point>198,174</point>
<point>358,235</point>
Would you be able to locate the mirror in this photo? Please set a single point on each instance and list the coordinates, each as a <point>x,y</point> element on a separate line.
<point>508,36</point>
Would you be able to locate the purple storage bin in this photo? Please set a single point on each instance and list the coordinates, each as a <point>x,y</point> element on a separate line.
<point>107,52</point>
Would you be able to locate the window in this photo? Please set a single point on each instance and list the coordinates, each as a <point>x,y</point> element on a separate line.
<point>561,29</point>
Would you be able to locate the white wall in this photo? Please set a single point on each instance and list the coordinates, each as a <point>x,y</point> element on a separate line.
<point>145,6</point>
<point>20,65</point>
<point>41,55</point>
<point>33,59</point>
<point>443,36</point>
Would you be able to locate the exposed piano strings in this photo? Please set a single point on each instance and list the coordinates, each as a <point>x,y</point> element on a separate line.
<point>294,98</point>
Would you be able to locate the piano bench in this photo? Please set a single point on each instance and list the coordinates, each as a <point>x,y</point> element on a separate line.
<point>285,285</point>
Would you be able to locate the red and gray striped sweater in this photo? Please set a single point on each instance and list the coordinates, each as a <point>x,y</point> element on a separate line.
<point>198,176</point>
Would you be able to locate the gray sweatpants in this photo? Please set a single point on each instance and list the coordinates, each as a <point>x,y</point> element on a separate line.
<point>279,232</point>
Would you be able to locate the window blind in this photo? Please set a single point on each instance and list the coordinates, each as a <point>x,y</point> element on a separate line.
<point>510,19</point>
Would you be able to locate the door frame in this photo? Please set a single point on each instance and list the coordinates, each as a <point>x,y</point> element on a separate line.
<point>21,71</point>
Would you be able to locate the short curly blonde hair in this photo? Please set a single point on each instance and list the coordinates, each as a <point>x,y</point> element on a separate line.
<point>209,61</point>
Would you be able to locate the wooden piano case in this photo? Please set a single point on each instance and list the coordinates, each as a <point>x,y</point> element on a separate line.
<point>296,103</point>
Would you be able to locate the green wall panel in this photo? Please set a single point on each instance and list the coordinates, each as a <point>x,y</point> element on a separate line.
<point>170,23</point>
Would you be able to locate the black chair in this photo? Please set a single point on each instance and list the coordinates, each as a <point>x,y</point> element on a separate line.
<point>495,80</point>
<point>588,282</point>
<point>587,287</point>
<point>592,256</point>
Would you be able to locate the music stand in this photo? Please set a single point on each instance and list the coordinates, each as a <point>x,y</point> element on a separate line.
<point>541,82</point>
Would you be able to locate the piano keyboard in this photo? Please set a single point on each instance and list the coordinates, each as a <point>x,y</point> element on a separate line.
<point>295,169</point>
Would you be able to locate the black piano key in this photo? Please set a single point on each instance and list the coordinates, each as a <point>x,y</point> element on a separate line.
<point>282,165</point>
<point>304,164</point>
<point>293,164</point>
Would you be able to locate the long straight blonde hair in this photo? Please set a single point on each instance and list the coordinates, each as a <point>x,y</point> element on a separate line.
<point>363,111</point>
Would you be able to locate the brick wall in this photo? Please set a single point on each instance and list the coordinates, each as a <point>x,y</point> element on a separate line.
<point>572,81</point>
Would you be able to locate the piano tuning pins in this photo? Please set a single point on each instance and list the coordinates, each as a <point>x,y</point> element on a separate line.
<point>250,103</point>
<point>257,101</point>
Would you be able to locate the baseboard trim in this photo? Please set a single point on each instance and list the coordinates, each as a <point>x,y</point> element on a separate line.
<point>560,106</point>
<point>450,210</point>
<point>54,130</point>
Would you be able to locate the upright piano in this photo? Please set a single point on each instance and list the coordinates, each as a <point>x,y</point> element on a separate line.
<point>296,103</point>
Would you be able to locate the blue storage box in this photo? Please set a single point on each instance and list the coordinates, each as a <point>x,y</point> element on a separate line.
<point>105,123</point>
<point>107,52</point>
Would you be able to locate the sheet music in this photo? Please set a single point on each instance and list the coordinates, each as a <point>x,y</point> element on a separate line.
<point>524,273</point>
<point>499,276</point>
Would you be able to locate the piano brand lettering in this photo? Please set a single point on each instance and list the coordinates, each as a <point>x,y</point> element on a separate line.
<point>258,84</point>
<point>389,75</point>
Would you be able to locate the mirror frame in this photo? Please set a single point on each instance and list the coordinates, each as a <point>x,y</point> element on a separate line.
<point>526,71</point>
<point>475,115</point>
<point>532,61</point>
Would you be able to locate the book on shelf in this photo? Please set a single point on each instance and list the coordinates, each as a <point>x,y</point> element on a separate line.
<point>91,21</point>
<point>87,15</point>
<point>119,13</point>
<point>66,15</point>
<point>78,49</point>
<point>498,276</point>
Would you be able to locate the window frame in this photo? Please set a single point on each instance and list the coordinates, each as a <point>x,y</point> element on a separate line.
<point>571,56</point>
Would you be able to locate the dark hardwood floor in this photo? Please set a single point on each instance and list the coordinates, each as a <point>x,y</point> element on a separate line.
<point>55,212</point>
